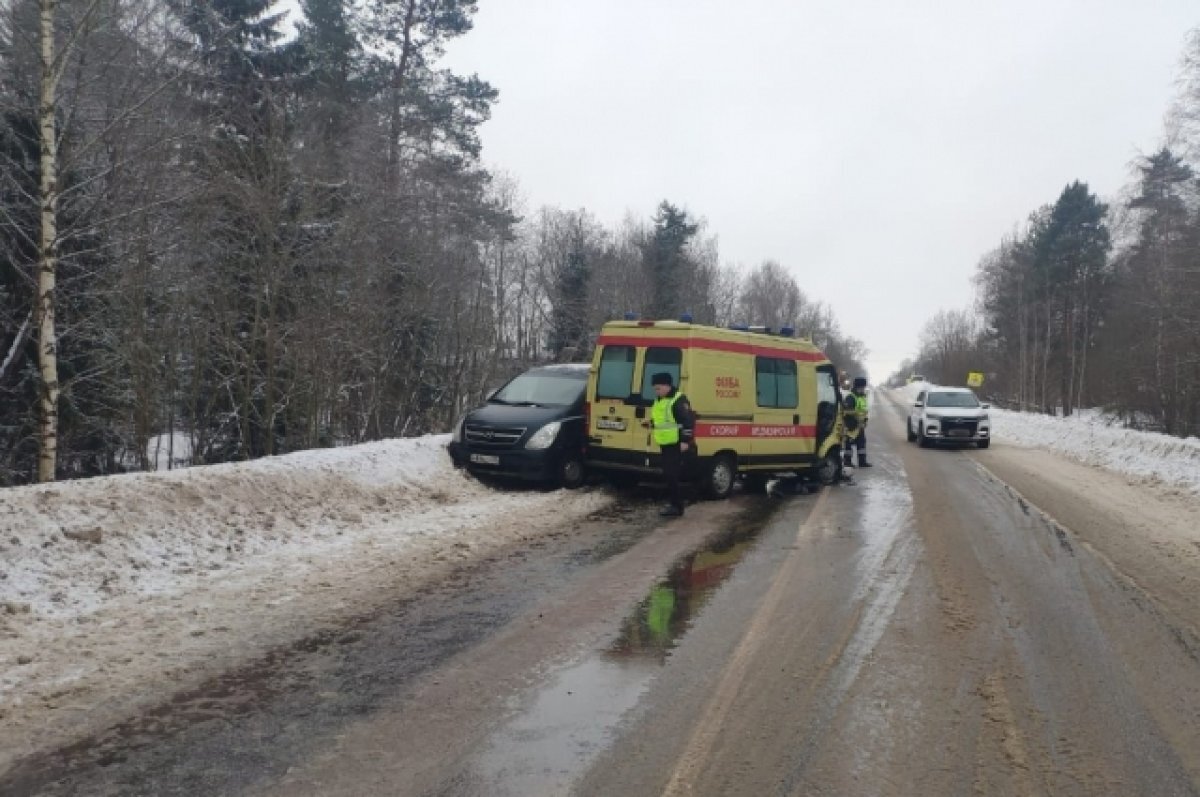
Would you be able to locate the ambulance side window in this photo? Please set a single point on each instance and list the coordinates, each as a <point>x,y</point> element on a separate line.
<point>786,384</point>
<point>660,360</point>
<point>775,383</point>
<point>615,380</point>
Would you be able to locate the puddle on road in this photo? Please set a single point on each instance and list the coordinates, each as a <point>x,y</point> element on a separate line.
<point>568,722</point>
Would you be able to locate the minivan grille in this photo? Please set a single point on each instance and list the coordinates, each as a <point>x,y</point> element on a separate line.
<point>493,436</point>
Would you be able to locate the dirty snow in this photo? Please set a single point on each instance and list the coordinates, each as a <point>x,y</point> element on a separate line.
<point>115,591</point>
<point>1094,438</point>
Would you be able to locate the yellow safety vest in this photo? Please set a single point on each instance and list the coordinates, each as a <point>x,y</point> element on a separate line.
<point>662,417</point>
<point>860,406</point>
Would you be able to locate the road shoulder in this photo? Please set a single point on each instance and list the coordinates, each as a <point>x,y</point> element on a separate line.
<point>1148,533</point>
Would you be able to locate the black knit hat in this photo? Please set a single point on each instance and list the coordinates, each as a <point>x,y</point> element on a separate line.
<point>662,378</point>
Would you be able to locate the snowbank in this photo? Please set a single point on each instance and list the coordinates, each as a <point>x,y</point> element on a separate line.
<point>1096,439</point>
<point>67,548</point>
<point>1093,440</point>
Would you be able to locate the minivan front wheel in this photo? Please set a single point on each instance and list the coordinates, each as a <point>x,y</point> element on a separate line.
<point>719,476</point>
<point>572,473</point>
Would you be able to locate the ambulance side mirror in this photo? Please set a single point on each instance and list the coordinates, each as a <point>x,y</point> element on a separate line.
<point>919,404</point>
<point>640,412</point>
<point>986,406</point>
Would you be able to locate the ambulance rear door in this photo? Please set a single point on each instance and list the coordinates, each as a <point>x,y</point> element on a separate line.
<point>615,403</point>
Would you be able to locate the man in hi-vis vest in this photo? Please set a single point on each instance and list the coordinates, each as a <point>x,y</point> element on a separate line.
<point>672,423</point>
<point>860,410</point>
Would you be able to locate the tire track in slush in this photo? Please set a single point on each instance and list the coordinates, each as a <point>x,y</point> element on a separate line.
<point>885,570</point>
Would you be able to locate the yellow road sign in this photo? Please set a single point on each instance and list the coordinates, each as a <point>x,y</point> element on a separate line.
<point>975,379</point>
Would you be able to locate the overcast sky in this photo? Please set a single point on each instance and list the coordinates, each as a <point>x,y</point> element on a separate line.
<point>875,149</point>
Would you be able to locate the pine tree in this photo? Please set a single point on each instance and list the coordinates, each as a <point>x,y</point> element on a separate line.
<point>666,260</point>
<point>1072,257</point>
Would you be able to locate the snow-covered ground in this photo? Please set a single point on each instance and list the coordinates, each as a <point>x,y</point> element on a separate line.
<point>123,588</point>
<point>1096,439</point>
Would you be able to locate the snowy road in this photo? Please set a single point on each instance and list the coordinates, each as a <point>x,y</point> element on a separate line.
<point>992,622</point>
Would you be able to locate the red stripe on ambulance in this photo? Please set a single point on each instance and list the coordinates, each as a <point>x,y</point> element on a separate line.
<point>753,430</point>
<point>713,345</point>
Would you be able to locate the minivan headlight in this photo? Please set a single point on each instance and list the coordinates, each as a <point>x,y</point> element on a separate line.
<point>545,437</point>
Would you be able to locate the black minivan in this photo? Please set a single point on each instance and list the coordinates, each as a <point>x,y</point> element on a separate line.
<point>533,428</point>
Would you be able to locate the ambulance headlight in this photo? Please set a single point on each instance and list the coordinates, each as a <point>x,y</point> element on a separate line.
<point>545,437</point>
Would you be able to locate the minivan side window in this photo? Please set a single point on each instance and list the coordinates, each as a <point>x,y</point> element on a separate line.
<point>615,380</point>
<point>660,360</point>
<point>775,383</point>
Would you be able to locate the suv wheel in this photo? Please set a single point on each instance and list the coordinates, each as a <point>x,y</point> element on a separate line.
<point>922,440</point>
<point>985,443</point>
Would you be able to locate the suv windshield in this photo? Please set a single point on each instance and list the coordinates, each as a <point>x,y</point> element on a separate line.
<point>952,400</point>
<point>543,390</point>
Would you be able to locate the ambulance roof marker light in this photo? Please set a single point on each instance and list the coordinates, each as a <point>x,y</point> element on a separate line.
<point>739,327</point>
<point>631,316</point>
<point>787,332</point>
<point>645,322</point>
<point>687,318</point>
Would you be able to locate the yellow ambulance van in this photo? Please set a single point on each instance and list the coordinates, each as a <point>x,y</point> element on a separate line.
<point>765,403</point>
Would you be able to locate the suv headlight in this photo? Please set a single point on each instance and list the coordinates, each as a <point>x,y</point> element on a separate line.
<point>544,437</point>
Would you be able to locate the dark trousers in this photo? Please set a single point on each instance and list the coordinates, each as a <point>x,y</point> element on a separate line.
<point>672,466</point>
<point>859,442</point>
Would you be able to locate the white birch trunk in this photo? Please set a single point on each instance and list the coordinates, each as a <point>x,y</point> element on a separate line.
<point>47,342</point>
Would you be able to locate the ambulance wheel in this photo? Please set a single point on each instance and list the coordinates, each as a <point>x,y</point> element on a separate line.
<point>719,477</point>
<point>912,436</point>
<point>571,473</point>
<point>830,469</point>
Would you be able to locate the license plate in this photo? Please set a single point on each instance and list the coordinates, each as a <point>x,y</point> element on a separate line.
<point>613,424</point>
<point>960,432</point>
<point>485,459</point>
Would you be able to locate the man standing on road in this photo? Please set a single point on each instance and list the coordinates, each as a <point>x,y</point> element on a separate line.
<point>859,394</point>
<point>672,423</point>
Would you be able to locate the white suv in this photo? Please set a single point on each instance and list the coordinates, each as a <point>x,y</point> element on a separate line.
<point>949,414</point>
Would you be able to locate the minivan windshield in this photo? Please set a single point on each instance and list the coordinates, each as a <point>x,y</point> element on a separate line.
<point>541,390</point>
<point>952,400</point>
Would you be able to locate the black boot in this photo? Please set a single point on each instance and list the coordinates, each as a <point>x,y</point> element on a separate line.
<point>862,461</point>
